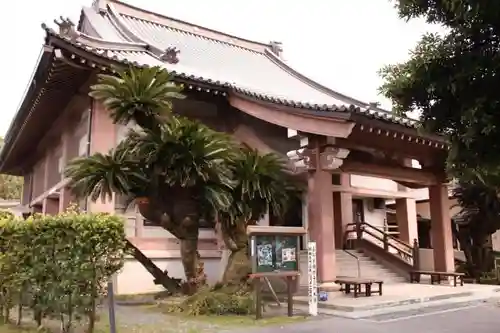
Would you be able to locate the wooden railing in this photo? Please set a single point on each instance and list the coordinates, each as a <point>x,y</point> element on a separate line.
<point>390,244</point>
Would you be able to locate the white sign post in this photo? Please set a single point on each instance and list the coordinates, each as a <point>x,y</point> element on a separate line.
<point>313,282</point>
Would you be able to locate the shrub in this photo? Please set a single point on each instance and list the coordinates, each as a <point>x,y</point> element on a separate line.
<point>59,264</point>
<point>230,300</point>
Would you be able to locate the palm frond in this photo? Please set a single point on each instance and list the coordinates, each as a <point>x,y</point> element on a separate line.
<point>101,175</point>
<point>140,94</point>
<point>186,153</point>
<point>263,184</point>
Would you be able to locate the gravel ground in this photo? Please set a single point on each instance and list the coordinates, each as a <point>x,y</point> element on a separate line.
<point>478,318</point>
<point>141,319</point>
<point>148,319</point>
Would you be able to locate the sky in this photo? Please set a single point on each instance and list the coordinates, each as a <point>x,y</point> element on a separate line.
<point>339,43</point>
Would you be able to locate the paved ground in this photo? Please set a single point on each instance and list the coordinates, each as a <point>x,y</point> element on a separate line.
<point>477,318</point>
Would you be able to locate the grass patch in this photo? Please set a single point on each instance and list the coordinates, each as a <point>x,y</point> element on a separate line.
<point>29,328</point>
<point>7,328</point>
<point>274,317</point>
<point>157,320</point>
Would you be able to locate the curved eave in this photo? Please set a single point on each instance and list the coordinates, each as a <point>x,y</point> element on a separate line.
<point>98,59</point>
<point>406,130</point>
<point>56,82</point>
<point>374,112</point>
<point>35,86</point>
<point>334,123</point>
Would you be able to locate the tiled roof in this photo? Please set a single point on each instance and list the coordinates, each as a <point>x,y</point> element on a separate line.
<point>252,70</point>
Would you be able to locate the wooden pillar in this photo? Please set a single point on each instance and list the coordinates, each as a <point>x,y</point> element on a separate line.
<point>343,214</point>
<point>442,238</point>
<point>66,197</point>
<point>406,216</point>
<point>320,223</point>
<point>102,139</point>
<point>27,188</point>
<point>50,206</point>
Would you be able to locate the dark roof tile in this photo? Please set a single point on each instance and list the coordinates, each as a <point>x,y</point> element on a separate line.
<point>252,71</point>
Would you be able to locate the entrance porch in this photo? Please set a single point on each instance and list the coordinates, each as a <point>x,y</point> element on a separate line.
<point>337,222</point>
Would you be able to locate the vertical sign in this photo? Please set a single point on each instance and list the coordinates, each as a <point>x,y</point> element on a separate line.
<point>313,282</point>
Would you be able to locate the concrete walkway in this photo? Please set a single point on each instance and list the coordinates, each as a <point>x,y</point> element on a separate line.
<point>478,318</point>
<point>403,297</point>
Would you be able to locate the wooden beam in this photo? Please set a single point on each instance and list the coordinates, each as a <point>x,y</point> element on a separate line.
<point>295,118</point>
<point>403,174</point>
<point>424,154</point>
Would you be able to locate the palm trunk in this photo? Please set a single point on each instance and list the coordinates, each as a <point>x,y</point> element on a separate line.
<point>160,277</point>
<point>193,265</point>
<point>183,223</point>
<point>238,266</point>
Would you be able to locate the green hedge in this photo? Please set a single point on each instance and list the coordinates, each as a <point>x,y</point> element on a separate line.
<point>58,265</point>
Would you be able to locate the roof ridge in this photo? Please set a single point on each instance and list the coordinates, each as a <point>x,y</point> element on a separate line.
<point>99,43</point>
<point>115,18</point>
<point>187,27</point>
<point>304,78</point>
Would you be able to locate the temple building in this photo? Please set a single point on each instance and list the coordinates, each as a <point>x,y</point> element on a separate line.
<point>354,156</point>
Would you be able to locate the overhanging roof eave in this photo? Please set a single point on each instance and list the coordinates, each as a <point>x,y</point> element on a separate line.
<point>34,85</point>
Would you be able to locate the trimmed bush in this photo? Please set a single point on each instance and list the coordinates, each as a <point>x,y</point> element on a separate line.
<point>225,300</point>
<point>59,264</point>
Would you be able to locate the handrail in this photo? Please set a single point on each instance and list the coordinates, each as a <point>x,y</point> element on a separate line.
<point>406,252</point>
<point>382,240</point>
<point>389,236</point>
<point>355,257</point>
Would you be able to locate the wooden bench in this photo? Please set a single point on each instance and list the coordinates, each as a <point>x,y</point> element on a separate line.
<point>437,276</point>
<point>346,284</point>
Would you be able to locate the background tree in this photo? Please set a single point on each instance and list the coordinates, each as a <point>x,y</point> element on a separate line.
<point>11,187</point>
<point>451,79</point>
<point>478,218</point>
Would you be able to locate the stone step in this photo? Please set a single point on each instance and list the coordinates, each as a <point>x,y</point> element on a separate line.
<point>348,266</point>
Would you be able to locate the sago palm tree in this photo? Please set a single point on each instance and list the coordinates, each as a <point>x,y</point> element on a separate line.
<point>264,184</point>
<point>173,167</point>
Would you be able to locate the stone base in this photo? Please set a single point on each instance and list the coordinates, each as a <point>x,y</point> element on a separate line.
<point>329,286</point>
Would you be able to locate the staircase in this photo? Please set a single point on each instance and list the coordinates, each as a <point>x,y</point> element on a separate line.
<point>347,265</point>
<point>362,243</point>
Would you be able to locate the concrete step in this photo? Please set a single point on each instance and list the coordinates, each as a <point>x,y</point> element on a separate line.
<point>348,266</point>
<point>394,306</point>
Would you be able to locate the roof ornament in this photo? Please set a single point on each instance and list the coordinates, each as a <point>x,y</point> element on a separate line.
<point>99,6</point>
<point>170,55</point>
<point>67,28</point>
<point>276,48</point>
